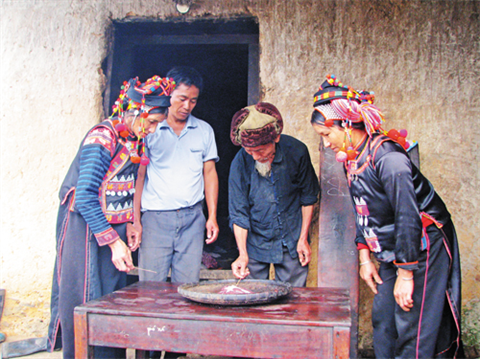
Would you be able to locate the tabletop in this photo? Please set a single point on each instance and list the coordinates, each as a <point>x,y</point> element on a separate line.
<point>154,316</point>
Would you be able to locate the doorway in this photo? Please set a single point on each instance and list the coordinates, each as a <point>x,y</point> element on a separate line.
<point>225,52</point>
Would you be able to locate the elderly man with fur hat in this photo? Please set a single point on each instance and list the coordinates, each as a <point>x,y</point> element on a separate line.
<point>272,190</point>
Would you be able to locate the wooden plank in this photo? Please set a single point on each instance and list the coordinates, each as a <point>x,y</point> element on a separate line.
<point>83,350</point>
<point>212,338</point>
<point>207,39</point>
<point>337,253</point>
<point>341,348</point>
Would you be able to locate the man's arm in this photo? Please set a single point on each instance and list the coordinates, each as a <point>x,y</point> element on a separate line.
<point>303,248</point>
<point>239,267</point>
<point>211,197</point>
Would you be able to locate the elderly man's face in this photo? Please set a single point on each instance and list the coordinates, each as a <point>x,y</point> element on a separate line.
<point>262,153</point>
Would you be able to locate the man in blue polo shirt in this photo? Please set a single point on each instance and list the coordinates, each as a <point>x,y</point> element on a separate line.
<point>173,186</point>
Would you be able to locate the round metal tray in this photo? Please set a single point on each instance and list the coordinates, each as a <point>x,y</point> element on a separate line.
<point>264,291</point>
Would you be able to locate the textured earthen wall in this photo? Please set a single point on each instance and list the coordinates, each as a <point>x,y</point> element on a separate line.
<point>420,57</point>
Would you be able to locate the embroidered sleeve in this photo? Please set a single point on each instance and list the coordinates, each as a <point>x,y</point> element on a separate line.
<point>102,136</point>
<point>360,240</point>
<point>95,157</point>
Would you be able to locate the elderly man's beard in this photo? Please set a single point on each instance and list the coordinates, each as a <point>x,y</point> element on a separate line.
<point>263,168</point>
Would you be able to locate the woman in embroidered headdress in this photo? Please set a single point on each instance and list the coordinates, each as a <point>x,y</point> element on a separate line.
<point>95,233</point>
<point>402,221</point>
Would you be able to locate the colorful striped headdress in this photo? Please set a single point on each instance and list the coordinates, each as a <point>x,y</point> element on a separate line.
<point>152,96</point>
<point>332,89</point>
<point>353,109</point>
<point>336,104</point>
<point>147,97</point>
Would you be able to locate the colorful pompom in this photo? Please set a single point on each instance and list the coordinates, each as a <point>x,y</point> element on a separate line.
<point>341,156</point>
<point>401,140</point>
<point>351,154</point>
<point>120,127</point>
<point>403,133</point>
<point>393,134</point>
<point>329,122</point>
<point>144,160</point>
<point>135,159</point>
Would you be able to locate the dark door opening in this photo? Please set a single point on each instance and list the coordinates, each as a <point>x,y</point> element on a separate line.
<point>226,53</point>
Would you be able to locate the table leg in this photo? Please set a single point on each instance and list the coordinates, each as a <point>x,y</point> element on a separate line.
<point>82,349</point>
<point>341,343</point>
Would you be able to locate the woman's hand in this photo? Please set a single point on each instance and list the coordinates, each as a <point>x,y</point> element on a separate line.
<point>121,256</point>
<point>134,235</point>
<point>369,274</point>
<point>368,271</point>
<point>403,290</point>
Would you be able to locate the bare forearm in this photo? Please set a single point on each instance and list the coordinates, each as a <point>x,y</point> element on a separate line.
<point>307,214</point>
<point>137,198</point>
<point>241,239</point>
<point>211,188</point>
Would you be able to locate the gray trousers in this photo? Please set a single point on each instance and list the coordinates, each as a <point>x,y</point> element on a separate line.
<point>289,270</point>
<point>172,240</point>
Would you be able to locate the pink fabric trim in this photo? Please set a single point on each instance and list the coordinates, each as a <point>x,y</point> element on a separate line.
<point>423,297</point>
<point>57,324</point>
<point>106,237</point>
<point>86,266</point>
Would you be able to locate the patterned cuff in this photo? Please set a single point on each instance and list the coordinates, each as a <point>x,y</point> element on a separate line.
<point>106,237</point>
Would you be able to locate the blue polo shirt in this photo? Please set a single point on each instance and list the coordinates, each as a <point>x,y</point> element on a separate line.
<point>174,177</point>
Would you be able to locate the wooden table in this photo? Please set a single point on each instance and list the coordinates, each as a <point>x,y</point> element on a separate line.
<point>308,323</point>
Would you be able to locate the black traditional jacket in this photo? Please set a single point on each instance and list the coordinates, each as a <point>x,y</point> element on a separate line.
<point>390,197</point>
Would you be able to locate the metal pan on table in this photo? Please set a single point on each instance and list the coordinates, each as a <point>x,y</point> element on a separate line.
<point>263,291</point>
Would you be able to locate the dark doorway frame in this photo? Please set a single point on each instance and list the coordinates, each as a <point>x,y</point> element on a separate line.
<point>142,47</point>
<point>134,34</point>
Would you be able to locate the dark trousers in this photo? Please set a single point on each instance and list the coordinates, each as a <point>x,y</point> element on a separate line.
<point>84,271</point>
<point>413,334</point>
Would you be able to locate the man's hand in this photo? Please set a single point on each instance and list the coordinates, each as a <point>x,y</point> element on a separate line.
<point>403,290</point>
<point>121,256</point>
<point>239,267</point>
<point>134,236</point>
<point>212,231</point>
<point>304,252</point>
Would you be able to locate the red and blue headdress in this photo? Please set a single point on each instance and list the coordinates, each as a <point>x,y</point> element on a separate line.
<point>152,96</point>
<point>345,107</point>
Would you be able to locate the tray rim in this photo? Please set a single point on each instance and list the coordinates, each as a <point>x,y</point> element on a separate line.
<point>234,299</point>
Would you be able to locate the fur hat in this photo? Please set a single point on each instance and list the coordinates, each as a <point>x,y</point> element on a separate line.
<point>256,125</point>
